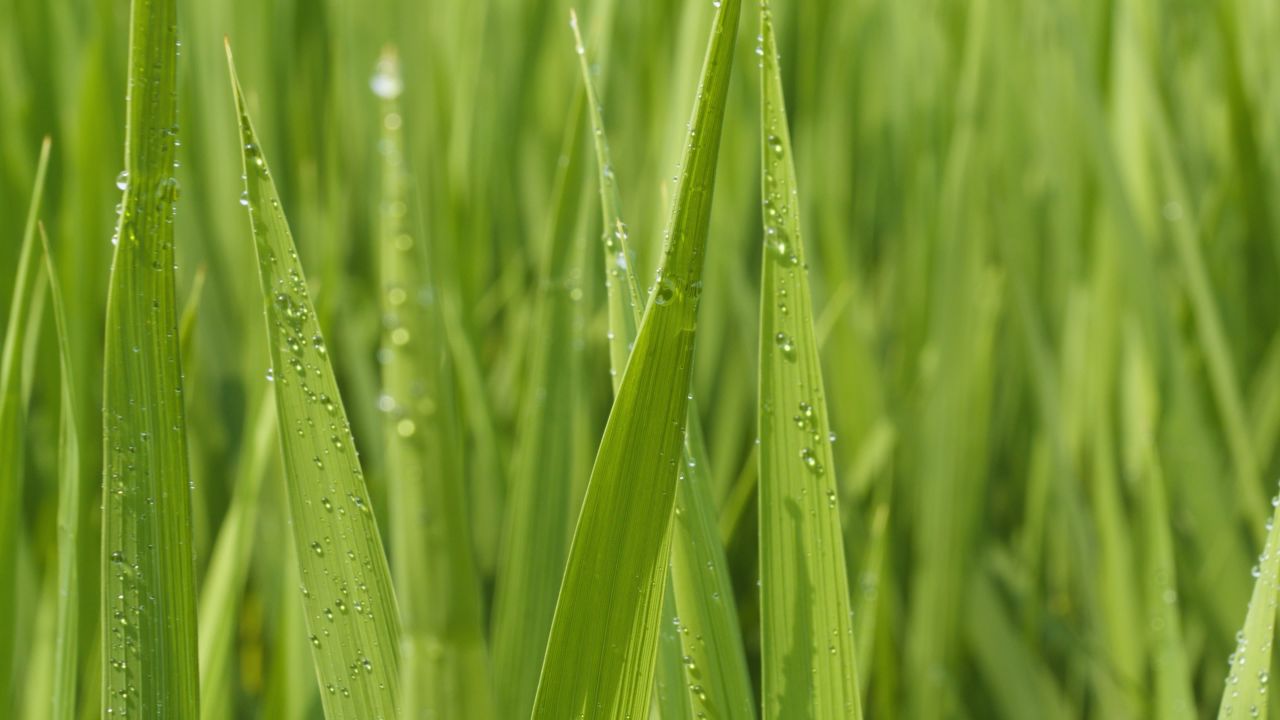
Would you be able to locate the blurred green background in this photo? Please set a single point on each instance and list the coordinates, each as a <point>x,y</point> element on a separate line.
<point>1044,237</point>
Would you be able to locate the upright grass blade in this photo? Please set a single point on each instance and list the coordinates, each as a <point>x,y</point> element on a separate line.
<point>601,653</point>
<point>67,621</point>
<point>224,581</point>
<point>710,655</point>
<point>150,667</point>
<point>12,414</point>
<point>351,612</point>
<point>38,691</point>
<point>444,663</point>
<point>1245,694</point>
<point>808,668</point>
<point>541,501</point>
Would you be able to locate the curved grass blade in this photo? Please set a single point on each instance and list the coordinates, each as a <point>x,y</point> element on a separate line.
<point>351,612</point>
<point>541,499</point>
<point>710,655</point>
<point>150,666</point>
<point>444,663</point>
<point>808,668</point>
<point>67,620</point>
<point>12,419</point>
<point>601,654</point>
<point>1245,694</point>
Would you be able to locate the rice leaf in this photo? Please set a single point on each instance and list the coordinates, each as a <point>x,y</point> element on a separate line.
<point>601,653</point>
<point>808,667</point>
<point>444,662</point>
<point>37,702</point>
<point>1245,694</point>
<point>1021,685</point>
<point>541,501</point>
<point>12,420</point>
<point>708,652</point>
<point>150,666</point>
<point>351,614</point>
<point>223,586</point>
<point>67,621</point>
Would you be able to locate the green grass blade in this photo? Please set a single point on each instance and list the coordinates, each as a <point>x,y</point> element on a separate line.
<point>709,654</point>
<point>1021,685</point>
<point>12,418</point>
<point>624,303</point>
<point>808,668</point>
<point>1170,663</point>
<point>601,653</point>
<point>671,696</point>
<point>445,665</point>
<point>714,661</point>
<point>229,561</point>
<point>67,622</point>
<point>541,499</point>
<point>351,612</point>
<point>150,666</point>
<point>866,603</point>
<point>37,703</point>
<point>1245,694</point>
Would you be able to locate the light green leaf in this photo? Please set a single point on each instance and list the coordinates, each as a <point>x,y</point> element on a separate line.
<point>707,653</point>
<point>445,664</point>
<point>1245,693</point>
<point>601,653</point>
<point>12,421</point>
<point>223,587</point>
<point>351,614</point>
<point>541,501</point>
<point>150,666</point>
<point>67,621</point>
<point>808,668</point>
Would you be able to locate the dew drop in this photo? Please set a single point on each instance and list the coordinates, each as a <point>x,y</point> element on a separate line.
<point>665,292</point>
<point>785,344</point>
<point>810,460</point>
<point>385,83</point>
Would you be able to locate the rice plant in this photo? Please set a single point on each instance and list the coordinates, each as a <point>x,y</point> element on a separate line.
<point>681,360</point>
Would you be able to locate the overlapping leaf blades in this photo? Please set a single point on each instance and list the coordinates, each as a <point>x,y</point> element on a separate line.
<point>709,658</point>
<point>809,662</point>
<point>601,653</point>
<point>351,612</point>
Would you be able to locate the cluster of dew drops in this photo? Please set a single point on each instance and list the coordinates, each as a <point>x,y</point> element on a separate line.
<point>346,603</point>
<point>167,191</point>
<point>779,246</point>
<point>124,620</point>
